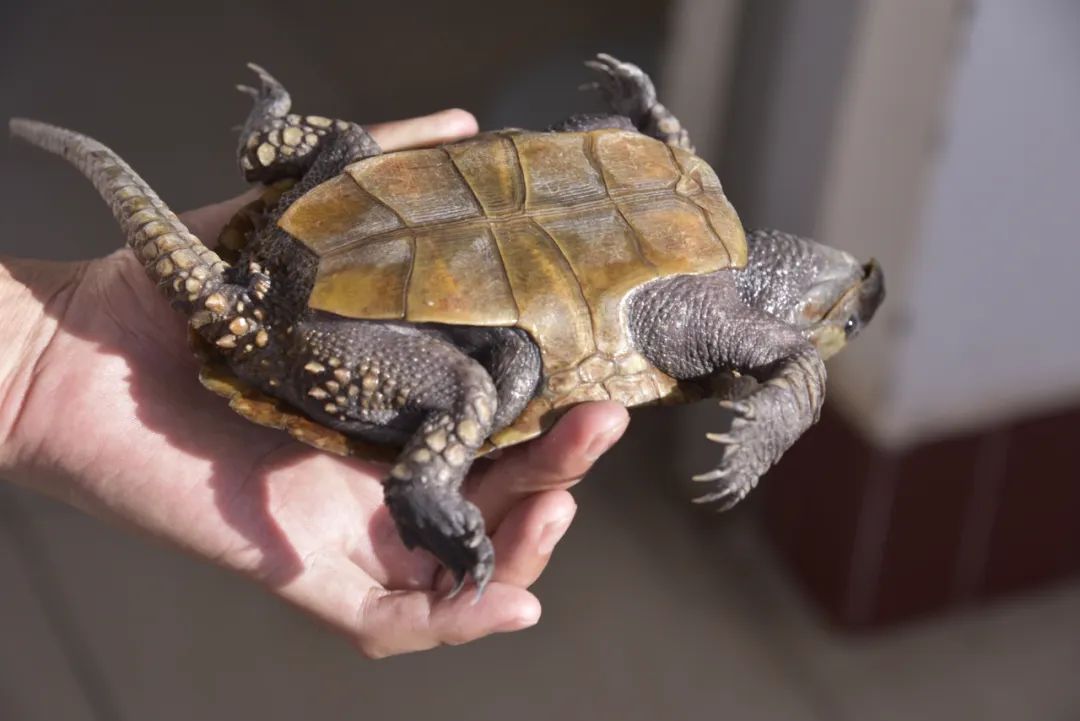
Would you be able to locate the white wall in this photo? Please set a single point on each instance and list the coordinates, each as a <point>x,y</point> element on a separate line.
<point>994,304</point>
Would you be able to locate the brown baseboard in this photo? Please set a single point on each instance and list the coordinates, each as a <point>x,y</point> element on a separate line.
<point>879,537</point>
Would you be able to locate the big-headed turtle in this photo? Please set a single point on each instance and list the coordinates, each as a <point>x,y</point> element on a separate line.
<point>450,300</point>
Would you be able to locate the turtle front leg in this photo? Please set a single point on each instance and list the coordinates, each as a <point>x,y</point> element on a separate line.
<point>630,92</point>
<point>767,421</point>
<point>276,144</point>
<point>694,327</point>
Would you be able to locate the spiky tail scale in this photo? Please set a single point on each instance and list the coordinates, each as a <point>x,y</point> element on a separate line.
<point>185,269</point>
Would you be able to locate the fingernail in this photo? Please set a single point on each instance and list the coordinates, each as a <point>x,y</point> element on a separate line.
<point>518,623</point>
<point>605,440</point>
<point>459,121</point>
<point>553,533</point>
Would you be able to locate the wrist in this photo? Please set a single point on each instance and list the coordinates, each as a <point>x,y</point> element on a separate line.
<point>33,295</point>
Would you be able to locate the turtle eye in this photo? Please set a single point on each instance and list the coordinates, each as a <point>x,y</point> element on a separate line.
<point>851,326</point>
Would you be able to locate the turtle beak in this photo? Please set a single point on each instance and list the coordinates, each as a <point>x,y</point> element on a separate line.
<point>851,311</point>
<point>871,291</point>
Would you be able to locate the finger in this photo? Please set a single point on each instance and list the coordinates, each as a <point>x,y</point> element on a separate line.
<point>442,127</point>
<point>556,460</point>
<point>528,535</point>
<point>394,622</point>
<point>526,539</point>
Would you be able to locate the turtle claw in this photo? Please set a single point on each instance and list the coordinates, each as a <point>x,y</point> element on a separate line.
<point>710,497</point>
<point>625,87</point>
<point>714,475</point>
<point>741,409</point>
<point>448,527</point>
<point>733,483</point>
<point>264,76</point>
<point>741,466</point>
<point>271,96</point>
<point>609,64</point>
<point>726,498</point>
<point>732,501</point>
<point>459,583</point>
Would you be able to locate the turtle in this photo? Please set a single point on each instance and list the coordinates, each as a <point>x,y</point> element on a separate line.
<point>432,305</point>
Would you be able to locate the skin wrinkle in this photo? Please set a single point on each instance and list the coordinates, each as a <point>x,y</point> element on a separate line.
<point>256,472</point>
<point>367,646</point>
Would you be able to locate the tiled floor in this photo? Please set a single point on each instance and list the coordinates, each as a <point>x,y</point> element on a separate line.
<point>650,612</point>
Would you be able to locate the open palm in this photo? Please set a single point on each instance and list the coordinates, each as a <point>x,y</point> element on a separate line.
<point>112,413</point>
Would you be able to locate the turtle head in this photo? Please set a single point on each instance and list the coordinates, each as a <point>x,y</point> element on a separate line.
<point>826,293</point>
<point>837,307</point>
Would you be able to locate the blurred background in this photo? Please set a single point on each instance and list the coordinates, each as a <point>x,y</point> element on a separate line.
<point>916,554</point>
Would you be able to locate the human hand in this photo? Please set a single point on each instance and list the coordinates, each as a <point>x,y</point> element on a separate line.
<point>100,406</point>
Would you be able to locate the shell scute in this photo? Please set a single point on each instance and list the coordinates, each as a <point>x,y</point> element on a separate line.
<point>420,186</point>
<point>445,288</point>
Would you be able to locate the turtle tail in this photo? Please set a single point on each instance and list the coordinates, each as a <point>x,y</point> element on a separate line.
<point>185,269</point>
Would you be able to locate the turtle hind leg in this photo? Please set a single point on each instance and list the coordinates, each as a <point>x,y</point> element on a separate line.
<point>276,144</point>
<point>511,358</point>
<point>423,489</point>
<point>630,92</point>
<point>363,379</point>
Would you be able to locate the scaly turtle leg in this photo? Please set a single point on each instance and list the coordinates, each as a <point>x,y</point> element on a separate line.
<point>630,93</point>
<point>581,122</point>
<point>696,326</point>
<point>385,383</point>
<point>511,358</point>
<point>275,143</point>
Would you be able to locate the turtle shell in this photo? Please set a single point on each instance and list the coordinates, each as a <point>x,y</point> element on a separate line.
<point>548,232</point>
